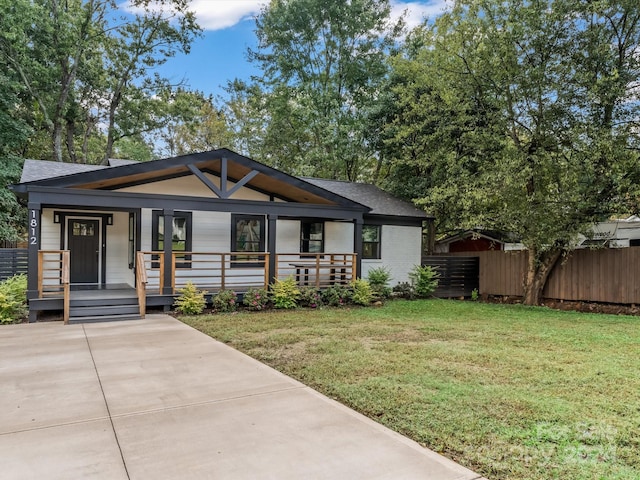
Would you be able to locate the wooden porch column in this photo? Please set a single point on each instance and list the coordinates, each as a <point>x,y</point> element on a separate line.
<point>357,244</point>
<point>271,246</point>
<point>168,251</point>
<point>33,240</point>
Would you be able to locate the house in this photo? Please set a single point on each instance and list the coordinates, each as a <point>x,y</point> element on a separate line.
<point>616,233</point>
<point>477,241</point>
<point>108,241</point>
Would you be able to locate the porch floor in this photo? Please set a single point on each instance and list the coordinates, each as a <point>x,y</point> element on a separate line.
<point>91,292</point>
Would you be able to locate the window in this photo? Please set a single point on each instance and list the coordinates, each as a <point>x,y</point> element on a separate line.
<point>180,234</point>
<point>311,237</point>
<point>247,235</point>
<point>371,241</point>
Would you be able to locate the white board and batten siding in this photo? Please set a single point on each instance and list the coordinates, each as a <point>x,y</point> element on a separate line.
<point>117,264</point>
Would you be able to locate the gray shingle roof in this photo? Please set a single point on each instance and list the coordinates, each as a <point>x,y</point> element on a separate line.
<point>118,162</point>
<point>380,202</point>
<point>40,169</point>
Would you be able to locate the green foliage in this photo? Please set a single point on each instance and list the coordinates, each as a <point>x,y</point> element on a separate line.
<point>323,64</point>
<point>424,280</point>
<point>87,83</point>
<point>225,301</point>
<point>474,295</point>
<point>404,290</point>
<point>361,292</point>
<point>191,300</point>
<point>256,299</point>
<point>310,297</point>
<point>379,279</point>
<point>285,293</point>
<point>518,116</point>
<point>337,295</point>
<point>13,299</point>
<point>13,214</point>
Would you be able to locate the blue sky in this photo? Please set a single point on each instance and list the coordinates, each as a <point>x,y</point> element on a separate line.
<point>221,54</point>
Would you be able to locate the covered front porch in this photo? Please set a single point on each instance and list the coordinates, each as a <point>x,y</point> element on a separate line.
<point>159,278</point>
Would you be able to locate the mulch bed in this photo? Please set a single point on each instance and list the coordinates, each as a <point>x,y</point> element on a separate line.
<point>589,307</point>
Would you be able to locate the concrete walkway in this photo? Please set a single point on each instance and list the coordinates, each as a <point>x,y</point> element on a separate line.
<point>156,399</point>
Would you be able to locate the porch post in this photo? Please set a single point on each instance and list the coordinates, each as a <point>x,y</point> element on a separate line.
<point>357,244</point>
<point>271,246</point>
<point>33,229</point>
<point>168,250</point>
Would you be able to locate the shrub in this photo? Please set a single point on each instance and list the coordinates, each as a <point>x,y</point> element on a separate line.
<point>310,297</point>
<point>474,295</point>
<point>424,279</point>
<point>13,299</point>
<point>191,300</point>
<point>379,279</point>
<point>256,299</point>
<point>285,293</point>
<point>225,301</point>
<point>336,295</point>
<point>362,293</point>
<point>404,290</point>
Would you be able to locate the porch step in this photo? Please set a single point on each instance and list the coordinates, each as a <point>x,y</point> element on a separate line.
<point>102,302</point>
<point>102,318</point>
<point>87,310</point>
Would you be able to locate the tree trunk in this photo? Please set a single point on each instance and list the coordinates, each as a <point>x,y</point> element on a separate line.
<point>56,140</point>
<point>539,266</point>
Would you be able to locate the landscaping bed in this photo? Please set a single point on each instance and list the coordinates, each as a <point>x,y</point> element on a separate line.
<point>509,391</point>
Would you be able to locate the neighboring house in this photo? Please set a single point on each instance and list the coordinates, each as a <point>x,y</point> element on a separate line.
<point>477,241</point>
<point>624,232</point>
<point>234,224</point>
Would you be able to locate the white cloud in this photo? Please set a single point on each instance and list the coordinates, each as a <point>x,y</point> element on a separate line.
<point>417,11</point>
<point>210,14</point>
<point>221,14</point>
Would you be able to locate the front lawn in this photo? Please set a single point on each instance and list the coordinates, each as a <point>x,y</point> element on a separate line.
<point>511,392</point>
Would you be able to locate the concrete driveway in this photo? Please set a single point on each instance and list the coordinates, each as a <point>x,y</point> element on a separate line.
<point>156,399</point>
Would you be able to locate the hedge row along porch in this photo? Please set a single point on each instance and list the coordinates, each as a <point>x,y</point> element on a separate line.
<point>105,242</point>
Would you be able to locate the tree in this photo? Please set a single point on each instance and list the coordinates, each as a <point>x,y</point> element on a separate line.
<point>45,43</point>
<point>323,64</point>
<point>521,116</point>
<point>88,70</point>
<point>206,128</point>
<point>13,134</point>
<point>134,49</point>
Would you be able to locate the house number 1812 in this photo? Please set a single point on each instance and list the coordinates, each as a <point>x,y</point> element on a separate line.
<point>33,228</point>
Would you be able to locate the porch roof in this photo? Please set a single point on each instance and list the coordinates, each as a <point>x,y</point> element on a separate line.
<point>222,162</point>
<point>39,175</point>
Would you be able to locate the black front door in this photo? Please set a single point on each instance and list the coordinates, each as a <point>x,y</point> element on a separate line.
<point>84,250</point>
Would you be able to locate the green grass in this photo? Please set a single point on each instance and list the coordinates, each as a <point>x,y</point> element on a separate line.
<point>511,392</point>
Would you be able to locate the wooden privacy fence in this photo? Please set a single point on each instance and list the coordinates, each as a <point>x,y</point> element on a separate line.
<point>13,261</point>
<point>458,275</point>
<point>609,275</point>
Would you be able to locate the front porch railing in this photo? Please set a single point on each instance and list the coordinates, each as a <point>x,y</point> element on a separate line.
<point>141,283</point>
<point>239,271</point>
<point>152,264</point>
<point>214,271</point>
<point>319,270</point>
<point>53,276</point>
